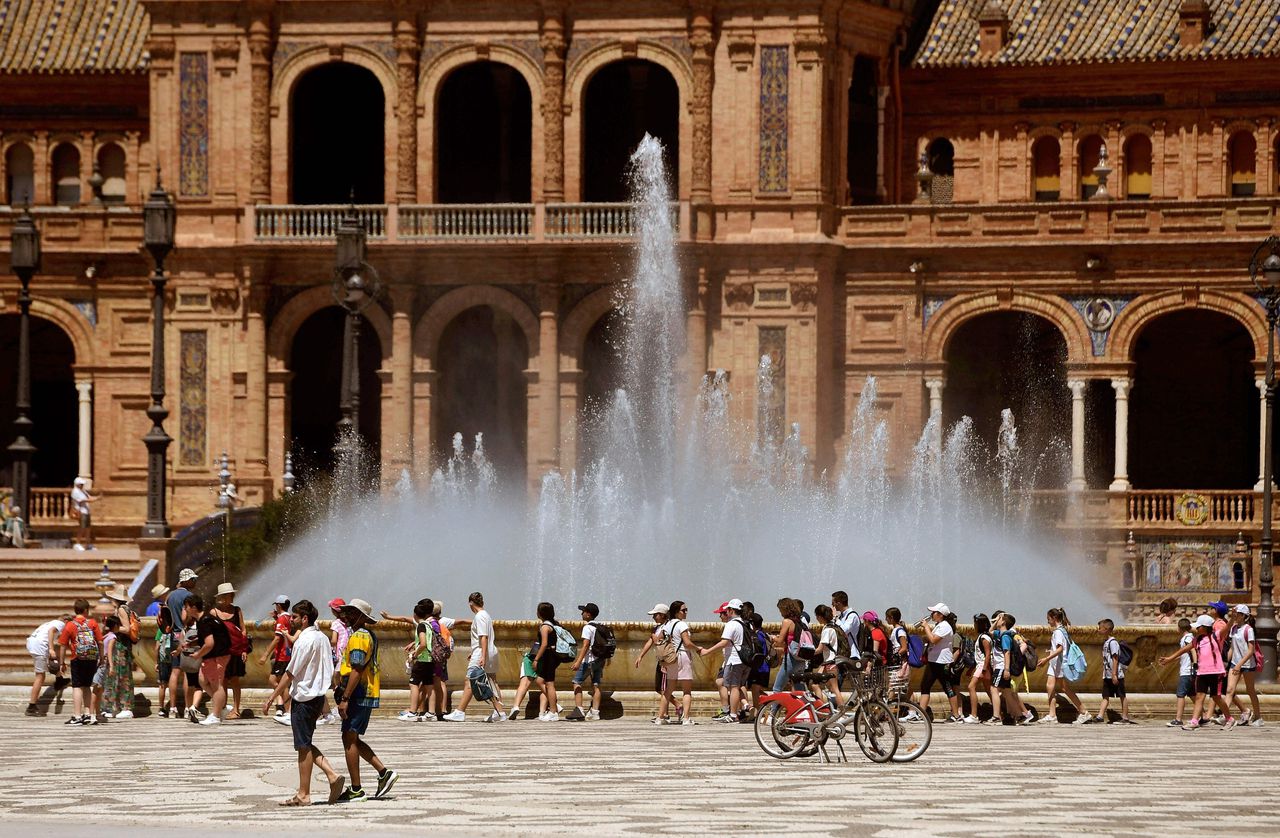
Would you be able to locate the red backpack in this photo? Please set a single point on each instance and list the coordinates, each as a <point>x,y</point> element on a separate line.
<point>239,640</point>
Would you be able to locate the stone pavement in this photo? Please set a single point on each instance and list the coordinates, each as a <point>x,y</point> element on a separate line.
<point>631,778</point>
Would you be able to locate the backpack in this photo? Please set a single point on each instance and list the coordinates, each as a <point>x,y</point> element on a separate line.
<point>763,640</point>
<point>915,651</point>
<point>866,645</point>
<point>134,630</point>
<point>962,658</point>
<point>668,646</point>
<point>604,644</point>
<point>842,644</point>
<point>441,643</point>
<point>1074,664</point>
<point>1016,658</point>
<point>566,646</point>
<point>1029,659</point>
<point>86,644</point>
<point>749,652</point>
<point>804,648</point>
<point>1126,654</point>
<point>239,640</point>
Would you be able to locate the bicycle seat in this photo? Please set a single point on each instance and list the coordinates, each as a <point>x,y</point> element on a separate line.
<point>811,677</point>
<point>850,663</point>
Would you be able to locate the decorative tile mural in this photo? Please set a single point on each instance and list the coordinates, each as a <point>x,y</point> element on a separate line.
<point>774,80</point>
<point>1203,565</point>
<point>193,125</point>
<point>1098,314</point>
<point>193,399</point>
<point>771,412</point>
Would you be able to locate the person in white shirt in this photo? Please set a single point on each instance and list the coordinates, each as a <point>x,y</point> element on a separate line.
<point>937,633</point>
<point>848,621</point>
<point>587,666</point>
<point>1244,643</point>
<point>307,679</point>
<point>736,670</point>
<point>80,503</point>
<point>1186,656</point>
<point>42,646</point>
<point>828,643</point>
<point>481,665</point>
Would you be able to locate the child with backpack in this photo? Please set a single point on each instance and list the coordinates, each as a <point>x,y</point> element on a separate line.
<point>1059,672</point>
<point>900,656</point>
<point>737,642</point>
<point>758,680</point>
<point>554,646</point>
<point>166,699</point>
<point>597,646</point>
<point>1186,656</point>
<point>1246,659</point>
<point>83,638</point>
<point>422,667</point>
<point>1113,664</point>
<point>828,641</point>
<point>981,678</point>
<point>1209,669</point>
<point>1007,663</point>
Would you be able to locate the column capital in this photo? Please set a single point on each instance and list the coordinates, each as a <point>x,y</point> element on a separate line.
<point>1076,386</point>
<point>1122,386</point>
<point>935,383</point>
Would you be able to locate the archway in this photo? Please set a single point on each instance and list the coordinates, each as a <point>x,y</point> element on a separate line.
<point>315,390</point>
<point>1193,412</point>
<point>863,150</point>
<point>1089,155</point>
<point>19,175</point>
<point>481,359</point>
<point>602,375</point>
<point>1137,167</point>
<point>66,175</point>
<point>484,143</point>
<point>1013,360</point>
<point>942,163</point>
<point>53,401</point>
<point>1046,157</point>
<point>623,101</point>
<point>111,165</point>
<point>337,114</point>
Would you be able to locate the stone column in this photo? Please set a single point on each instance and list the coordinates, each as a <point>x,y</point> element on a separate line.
<point>1077,483</point>
<point>423,384</point>
<point>702,42</point>
<point>696,335</point>
<point>548,367</point>
<point>84,391</point>
<point>406,43</point>
<point>1121,481</point>
<point>397,447</point>
<point>1262,433</point>
<point>553,51</point>
<point>935,387</point>
<point>255,379</point>
<point>260,49</point>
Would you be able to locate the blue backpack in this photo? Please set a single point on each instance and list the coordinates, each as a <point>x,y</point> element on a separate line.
<point>915,651</point>
<point>1074,664</point>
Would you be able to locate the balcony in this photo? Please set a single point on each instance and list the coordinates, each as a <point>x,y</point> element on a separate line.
<point>1061,222</point>
<point>1185,511</point>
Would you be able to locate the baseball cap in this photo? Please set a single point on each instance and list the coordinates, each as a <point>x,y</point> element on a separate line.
<point>591,608</point>
<point>1220,607</point>
<point>187,574</point>
<point>724,605</point>
<point>337,602</point>
<point>1242,609</point>
<point>660,608</point>
<point>281,600</point>
<point>870,617</point>
<point>941,608</point>
<point>1204,620</point>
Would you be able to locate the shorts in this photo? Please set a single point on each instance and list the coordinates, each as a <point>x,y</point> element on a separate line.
<point>1055,666</point>
<point>938,673</point>
<point>100,675</point>
<point>302,718</point>
<point>1186,686</point>
<point>83,672</point>
<point>758,678</point>
<point>193,680</point>
<point>479,680</point>
<point>85,520</point>
<point>681,669</point>
<point>593,669</point>
<point>164,669</point>
<point>40,663</point>
<point>735,674</point>
<point>442,671</point>
<point>1209,685</point>
<point>278,667</point>
<point>526,668</point>
<point>235,667</point>
<point>659,680</point>
<point>545,668</point>
<point>1112,689</point>
<point>422,673</point>
<point>357,720</point>
<point>214,671</point>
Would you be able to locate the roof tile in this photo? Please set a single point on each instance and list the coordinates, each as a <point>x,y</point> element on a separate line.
<point>72,36</point>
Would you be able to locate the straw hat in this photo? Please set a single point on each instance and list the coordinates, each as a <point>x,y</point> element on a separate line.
<point>363,607</point>
<point>225,589</point>
<point>159,591</point>
<point>119,593</point>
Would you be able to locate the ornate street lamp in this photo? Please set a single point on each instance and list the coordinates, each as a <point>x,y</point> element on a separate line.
<point>355,287</point>
<point>159,216</point>
<point>24,260</point>
<point>1264,269</point>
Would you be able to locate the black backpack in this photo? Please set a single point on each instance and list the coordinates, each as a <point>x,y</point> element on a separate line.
<point>962,658</point>
<point>842,643</point>
<point>750,652</point>
<point>866,645</point>
<point>604,644</point>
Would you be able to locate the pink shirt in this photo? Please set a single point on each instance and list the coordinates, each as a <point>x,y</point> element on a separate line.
<point>1210,662</point>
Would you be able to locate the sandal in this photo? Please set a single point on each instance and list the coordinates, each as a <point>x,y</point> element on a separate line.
<point>335,789</point>
<point>233,715</point>
<point>295,801</point>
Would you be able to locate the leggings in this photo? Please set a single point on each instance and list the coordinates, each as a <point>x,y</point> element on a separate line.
<point>936,672</point>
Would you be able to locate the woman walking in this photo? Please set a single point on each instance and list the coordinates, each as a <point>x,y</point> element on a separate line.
<point>787,643</point>
<point>660,614</point>
<point>545,661</point>
<point>1059,644</point>
<point>117,687</point>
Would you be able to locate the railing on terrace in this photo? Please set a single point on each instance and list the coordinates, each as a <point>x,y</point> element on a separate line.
<point>1224,507</point>
<point>597,221</point>
<point>48,506</point>
<point>453,222</point>
<point>309,222</point>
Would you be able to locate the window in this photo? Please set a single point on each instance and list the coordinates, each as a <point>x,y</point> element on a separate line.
<point>942,162</point>
<point>1137,167</point>
<point>111,167</point>
<point>19,175</point>
<point>1046,163</point>
<point>1242,158</point>
<point>1090,154</point>
<point>66,175</point>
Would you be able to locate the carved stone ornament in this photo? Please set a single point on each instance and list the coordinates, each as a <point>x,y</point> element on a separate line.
<point>811,45</point>
<point>742,51</point>
<point>804,295</point>
<point>161,49</point>
<point>740,295</point>
<point>226,50</point>
<point>225,300</point>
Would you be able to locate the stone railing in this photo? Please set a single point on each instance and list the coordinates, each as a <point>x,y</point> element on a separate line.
<point>313,222</point>
<point>1222,507</point>
<point>596,221</point>
<point>48,506</point>
<point>459,222</point>
<point>1044,222</point>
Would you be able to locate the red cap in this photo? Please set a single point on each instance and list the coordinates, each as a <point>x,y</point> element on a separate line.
<point>724,605</point>
<point>337,602</point>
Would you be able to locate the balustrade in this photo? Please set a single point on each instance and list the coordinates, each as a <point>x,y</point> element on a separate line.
<point>314,222</point>
<point>48,506</point>
<point>460,222</point>
<point>1223,507</point>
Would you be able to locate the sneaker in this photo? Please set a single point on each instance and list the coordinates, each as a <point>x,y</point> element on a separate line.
<point>282,720</point>
<point>1256,723</point>
<point>424,717</point>
<point>731,719</point>
<point>211,720</point>
<point>688,722</point>
<point>513,714</point>
<point>661,720</point>
<point>559,709</point>
<point>1194,724</point>
<point>721,713</point>
<point>456,716</point>
<point>89,720</point>
<point>549,716</point>
<point>108,715</point>
<point>575,715</point>
<point>1098,720</point>
<point>970,720</point>
<point>124,714</point>
<point>1219,720</point>
<point>163,714</point>
<point>352,796</point>
<point>192,716</point>
<point>1127,721</point>
<point>407,716</point>
<point>1030,718</point>
<point>1174,723</point>
<point>593,715</point>
<point>333,717</point>
<point>1245,716</point>
<point>913,716</point>
<point>386,780</point>
<point>498,716</point>
<point>32,710</point>
<point>1231,722</point>
<point>487,720</point>
<point>74,721</point>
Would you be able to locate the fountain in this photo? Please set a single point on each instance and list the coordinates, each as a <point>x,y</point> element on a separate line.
<point>674,504</point>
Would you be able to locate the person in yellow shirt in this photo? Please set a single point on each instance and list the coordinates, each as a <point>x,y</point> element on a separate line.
<point>358,679</point>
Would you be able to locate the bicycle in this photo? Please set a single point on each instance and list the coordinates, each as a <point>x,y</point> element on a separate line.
<point>915,728</point>
<point>802,722</point>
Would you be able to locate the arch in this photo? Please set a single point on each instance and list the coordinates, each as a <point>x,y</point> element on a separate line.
<point>622,102</point>
<point>1046,168</point>
<point>427,332</point>
<point>579,75</point>
<point>295,312</point>
<point>1242,164</point>
<point>112,167</point>
<point>19,174</point>
<point>326,163</point>
<point>960,309</point>
<point>579,322</point>
<point>1137,315</point>
<point>64,164</point>
<point>941,153</point>
<point>862,132</point>
<point>53,405</point>
<point>483,138</point>
<point>72,321</point>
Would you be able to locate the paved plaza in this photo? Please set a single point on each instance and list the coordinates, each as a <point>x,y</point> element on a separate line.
<point>149,776</point>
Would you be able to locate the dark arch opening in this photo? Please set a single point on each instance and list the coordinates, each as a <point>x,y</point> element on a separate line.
<point>484,138</point>
<point>602,375</point>
<point>54,413</point>
<point>1015,360</point>
<point>624,101</point>
<point>336,144</point>
<point>862,154</point>
<point>1193,412</point>
<point>315,391</point>
<point>942,163</point>
<point>482,358</point>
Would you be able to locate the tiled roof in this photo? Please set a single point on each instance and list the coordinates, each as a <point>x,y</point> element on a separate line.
<point>72,36</point>
<point>1084,31</point>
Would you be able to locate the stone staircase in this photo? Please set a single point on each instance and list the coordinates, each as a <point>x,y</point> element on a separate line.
<point>38,585</point>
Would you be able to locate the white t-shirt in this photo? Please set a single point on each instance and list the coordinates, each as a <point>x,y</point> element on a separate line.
<point>311,665</point>
<point>849,622</point>
<point>1184,660</point>
<point>940,652</point>
<point>1240,651</point>
<point>676,629</point>
<point>79,500</point>
<point>733,633</point>
<point>38,642</point>
<point>898,640</point>
<point>588,637</point>
<point>828,637</point>
<point>482,626</point>
<point>1110,651</point>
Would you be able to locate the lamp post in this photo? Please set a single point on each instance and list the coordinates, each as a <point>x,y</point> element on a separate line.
<point>355,287</point>
<point>24,260</point>
<point>1264,270</point>
<point>226,503</point>
<point>159,216</point>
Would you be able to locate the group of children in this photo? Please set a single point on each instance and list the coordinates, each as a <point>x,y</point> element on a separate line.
<point>1218,653</point>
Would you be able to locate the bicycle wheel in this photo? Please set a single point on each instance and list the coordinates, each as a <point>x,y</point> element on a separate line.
<point>914,735</point>
<point>876,730</point>
<point>774,736</point>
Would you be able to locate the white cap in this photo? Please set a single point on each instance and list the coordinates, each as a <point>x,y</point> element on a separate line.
<point>1242,609</point>
<point>281,600</point>
<point>735,604</point>
<point>1204,620</point>
<point>941,608</point>
<point>660,608</point>
<point>187,575</point>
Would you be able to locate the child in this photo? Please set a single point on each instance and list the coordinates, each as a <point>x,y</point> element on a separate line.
<point>1209,669</point>
<point>1112,675</point>
<point>587,667</point>
<point>164,664</point>
<point>1186,656</point>
<point>1054,678</point>
<point>981,679</point>
<point>898,654</point>
<point>759,679</point>
<point>1006,643</point>
<point>423,669</point>
<point>1244,645</point>
<point>826,651</point>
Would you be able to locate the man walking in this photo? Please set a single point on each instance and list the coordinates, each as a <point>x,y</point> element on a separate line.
<point>307,679</point>
<point>278,652</point>
<point>735,670</point>
<point>178,596</point>
<point>483,660</point>
<point>360,681</point>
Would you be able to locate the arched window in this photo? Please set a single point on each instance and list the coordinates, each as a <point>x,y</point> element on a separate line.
<point>1126,574</point>
<point>66,175</point>
<point>1242,160</point>
<point>942,162</point>
<point>624,101</point>
<point>1237,575</point>
<point>111,167</point>
<point>862,154</point>
<point>336,149</point>
<point>1137,167</point>
<point>484,136</point>
<point>19,174</point>
<point>1090,153</point>
<point>1046,161</point>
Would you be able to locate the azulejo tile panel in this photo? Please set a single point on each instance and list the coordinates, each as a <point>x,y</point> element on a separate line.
<point>193,398</point>
<point>193,128</point>
<point>774,89</point>
<point>771,412</point>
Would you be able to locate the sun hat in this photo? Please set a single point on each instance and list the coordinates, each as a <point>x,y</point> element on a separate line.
<point>1203,621</point>
<point>363,607</point>
<point>280,600</point>
<point>1219,606</point>
<point>159,591</point>
<point>187,575</point>
<point>941,608</point>
<point>591,608</point>
<point>337,602</point>
<point>225,588</point>
<point>1242,609</point>
<point>870,617</point>
<point>660,608</point>
<point>119,593</point>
